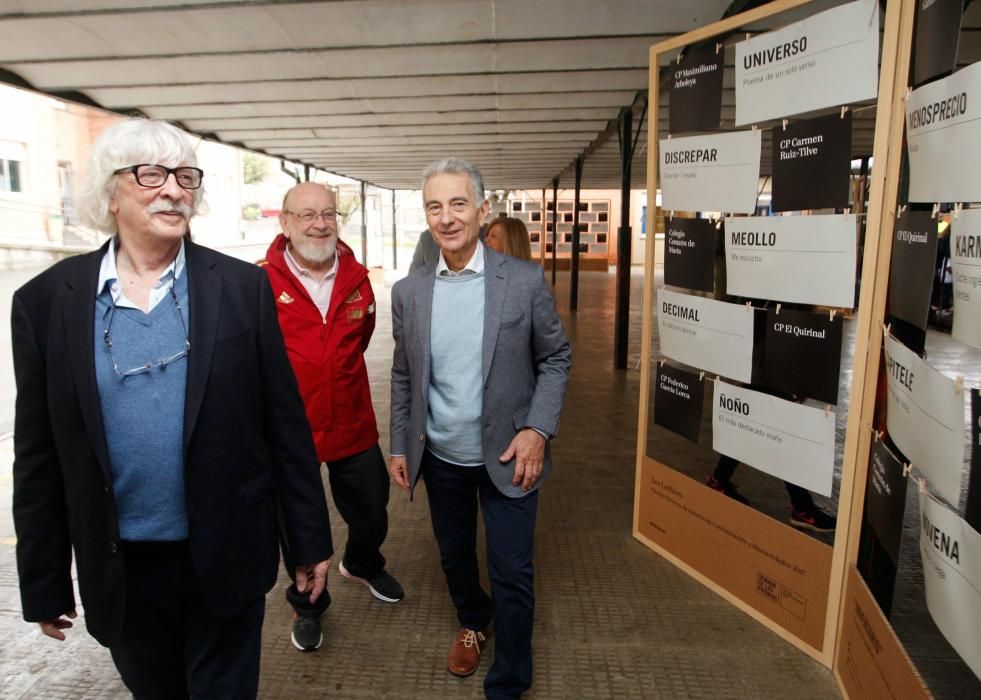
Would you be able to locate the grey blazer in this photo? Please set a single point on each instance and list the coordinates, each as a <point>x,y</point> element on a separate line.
<point>525,362</point>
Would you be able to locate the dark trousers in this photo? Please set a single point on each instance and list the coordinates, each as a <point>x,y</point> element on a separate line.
<point>172,646</point>
<point>509,526</point>
<point>360,486</point>
<point>800,498</point>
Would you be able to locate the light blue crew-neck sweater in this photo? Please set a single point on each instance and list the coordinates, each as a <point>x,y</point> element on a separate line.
<point>456,394</point>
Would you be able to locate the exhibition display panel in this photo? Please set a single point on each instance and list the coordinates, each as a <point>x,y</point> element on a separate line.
<point>767,344</point>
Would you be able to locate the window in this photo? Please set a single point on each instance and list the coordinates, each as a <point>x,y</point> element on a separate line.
<point>10,175</point>
<point>12,157</point>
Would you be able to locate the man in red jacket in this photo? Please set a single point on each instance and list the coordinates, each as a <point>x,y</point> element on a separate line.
<point>327,314</point>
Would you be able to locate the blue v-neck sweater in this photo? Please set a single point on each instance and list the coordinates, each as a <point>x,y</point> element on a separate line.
<point>143,415</point>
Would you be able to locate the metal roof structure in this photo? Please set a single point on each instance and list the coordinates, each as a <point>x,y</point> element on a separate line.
<point>370,89</point>
<point>376,89</point>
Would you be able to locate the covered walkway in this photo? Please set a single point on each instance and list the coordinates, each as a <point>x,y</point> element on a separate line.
<point>614,619</point>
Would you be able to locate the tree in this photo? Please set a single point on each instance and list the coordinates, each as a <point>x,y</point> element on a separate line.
<point>254,168</point>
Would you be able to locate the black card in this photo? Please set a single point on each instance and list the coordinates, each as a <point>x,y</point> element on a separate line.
<point>802,354</point>
<point>689,253</point>
<point>885,498</point>
<point>811,164</point>
<point>678,399</point>
<point>972,514</point>
<point>696,91</point>
<point>935,36</point>
<point>914,252</point>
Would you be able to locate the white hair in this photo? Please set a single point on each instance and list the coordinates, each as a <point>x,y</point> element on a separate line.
<point>125,143</point>
<point>457,166</point>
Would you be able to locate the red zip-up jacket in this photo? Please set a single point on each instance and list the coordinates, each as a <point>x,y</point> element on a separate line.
<point>328,354</point>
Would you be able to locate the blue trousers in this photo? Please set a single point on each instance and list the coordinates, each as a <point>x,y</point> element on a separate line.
<point>509,526</point>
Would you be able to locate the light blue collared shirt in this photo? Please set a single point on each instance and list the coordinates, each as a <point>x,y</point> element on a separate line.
<point>474,266</point>
<point>109,275</point>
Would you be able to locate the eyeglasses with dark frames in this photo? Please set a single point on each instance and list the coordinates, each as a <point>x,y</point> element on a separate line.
<point>154,175</point>
<point>149,364</point>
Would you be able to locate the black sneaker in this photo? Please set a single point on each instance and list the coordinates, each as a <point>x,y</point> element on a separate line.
<point>812,519</point>
<point>382,585</point>
<point>307,635</point>
<point>728,489</point>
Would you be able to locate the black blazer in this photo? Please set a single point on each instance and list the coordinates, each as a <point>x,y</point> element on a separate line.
<point>247,443</point>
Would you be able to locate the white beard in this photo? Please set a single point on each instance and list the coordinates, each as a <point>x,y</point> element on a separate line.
<point>316,252</point>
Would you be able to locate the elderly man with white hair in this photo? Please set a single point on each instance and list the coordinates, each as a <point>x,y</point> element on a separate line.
<point>159,436</point>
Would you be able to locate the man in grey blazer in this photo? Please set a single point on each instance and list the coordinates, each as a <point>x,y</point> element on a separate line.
<point>478,379</point>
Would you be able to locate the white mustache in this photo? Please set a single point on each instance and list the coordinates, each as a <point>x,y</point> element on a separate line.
<point>179,207</point>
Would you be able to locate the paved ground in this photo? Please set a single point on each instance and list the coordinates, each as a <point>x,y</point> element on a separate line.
<point>614,620</point>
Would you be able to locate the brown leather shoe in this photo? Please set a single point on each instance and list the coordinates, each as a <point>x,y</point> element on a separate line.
<point>464,656</point>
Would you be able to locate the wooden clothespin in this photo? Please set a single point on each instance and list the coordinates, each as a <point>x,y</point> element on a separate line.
<point>907,468</point>
<point>827,410</point>
<point>844,108</point>
<point>716,380</point>
<point>671,215</point>
<point>831,314</point>
<point>785,124</point>
<point>778,308</point>
<point>936,210</point>
<point>718,47</point>
<point>879,434</point>
<point>922,485</point>
<point>701,376</point>
<point>957,209</point>
<point>661,362</point>
<point>680,54</point>
<point>959,384</point>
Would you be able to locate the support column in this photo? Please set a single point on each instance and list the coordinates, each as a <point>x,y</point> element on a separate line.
<point>395,236</point>
<point>364,225</point>
<point>622,318</point>
<point>574,280</point>
<point>555,226</point>
<point>541,236</point>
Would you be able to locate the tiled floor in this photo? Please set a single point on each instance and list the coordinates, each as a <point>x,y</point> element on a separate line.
<point>613,621</point>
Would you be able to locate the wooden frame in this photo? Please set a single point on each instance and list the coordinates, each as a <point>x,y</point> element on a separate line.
<point>886,154</point>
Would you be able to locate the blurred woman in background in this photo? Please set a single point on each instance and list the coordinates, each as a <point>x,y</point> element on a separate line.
<point>509,236</point>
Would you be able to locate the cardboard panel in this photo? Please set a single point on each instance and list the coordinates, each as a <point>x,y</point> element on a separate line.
<point>943,135</point>
<point>773,569</point>
<point>720,172</point>
<point>965,256</point>
<point>937,32</point>
<point>811,164</point>
<point>678,401</point>
<point>696,91</point>
<point>871,663</point>
<point>689,254</point>
<point>825,60</point>
<point>914,256</point>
